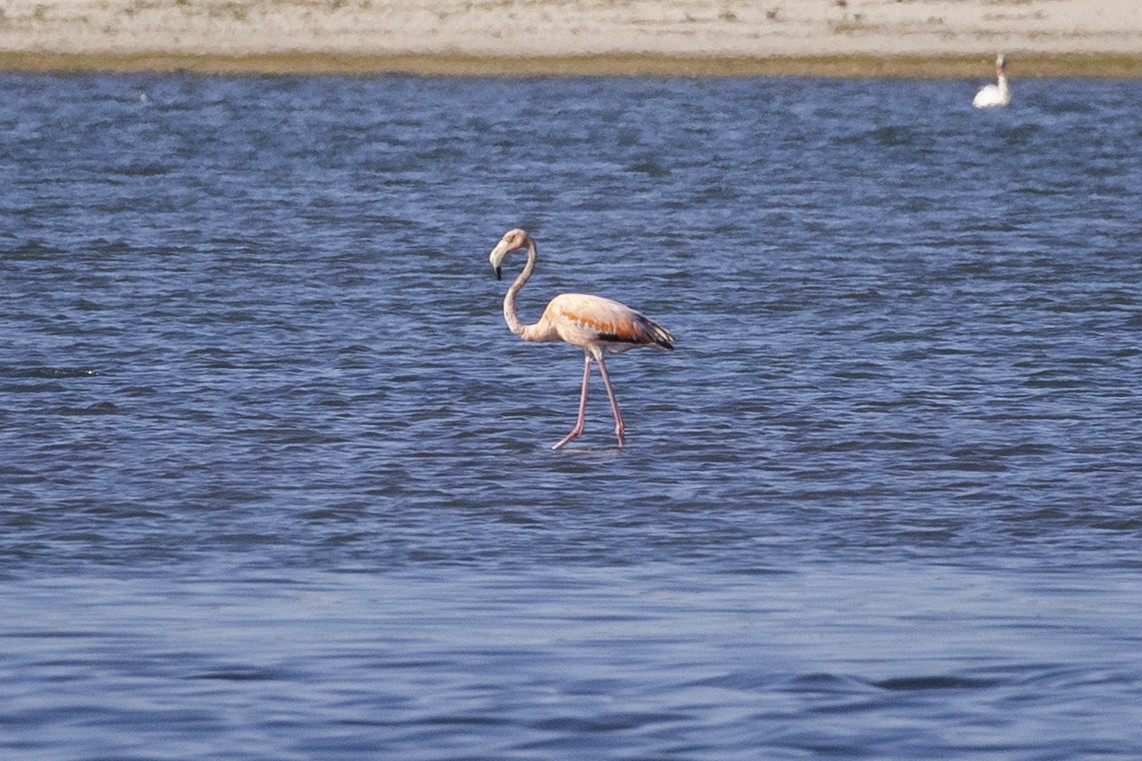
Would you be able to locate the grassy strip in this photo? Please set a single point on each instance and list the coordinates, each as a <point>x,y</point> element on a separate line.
<point>1023,65</point>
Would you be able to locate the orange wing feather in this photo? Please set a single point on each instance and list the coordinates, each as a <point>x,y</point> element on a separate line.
<point>585,320</point>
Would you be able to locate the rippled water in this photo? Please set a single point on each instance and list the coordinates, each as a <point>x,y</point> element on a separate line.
<point>275,479</point>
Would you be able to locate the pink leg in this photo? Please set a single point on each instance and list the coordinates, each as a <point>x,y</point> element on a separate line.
<point>578,429</point>
<point>619,427</point>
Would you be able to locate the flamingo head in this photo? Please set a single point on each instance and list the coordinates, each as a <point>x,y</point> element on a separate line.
<point>513,240</point>
<point>1000,63</point>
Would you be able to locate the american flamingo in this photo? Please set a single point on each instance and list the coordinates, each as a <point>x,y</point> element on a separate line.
<point>998,94</point>
<point>596,325</point>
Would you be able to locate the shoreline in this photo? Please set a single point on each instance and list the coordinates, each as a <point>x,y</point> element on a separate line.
<point>834,38</point>
<point>617,64</point>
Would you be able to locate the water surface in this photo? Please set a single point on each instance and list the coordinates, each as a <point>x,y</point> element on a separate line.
<point>275,479</point>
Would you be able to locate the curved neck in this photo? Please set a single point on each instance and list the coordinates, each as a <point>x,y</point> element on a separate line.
<point>511,314</point>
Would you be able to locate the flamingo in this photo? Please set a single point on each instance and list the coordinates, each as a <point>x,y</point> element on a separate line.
<point>596,325</point>
<point>998,94</point>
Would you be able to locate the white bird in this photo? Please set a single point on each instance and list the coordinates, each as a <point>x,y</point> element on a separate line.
<point>998,94</point>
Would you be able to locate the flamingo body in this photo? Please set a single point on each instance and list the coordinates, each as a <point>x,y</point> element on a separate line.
<point>998,94</point>
<point>599,325</point>
<point>595,324</point>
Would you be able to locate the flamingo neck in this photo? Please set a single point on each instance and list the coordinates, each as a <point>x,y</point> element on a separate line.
<point>531,332</point>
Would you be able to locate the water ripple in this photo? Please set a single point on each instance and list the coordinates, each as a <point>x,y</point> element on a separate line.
<point>276,480</point>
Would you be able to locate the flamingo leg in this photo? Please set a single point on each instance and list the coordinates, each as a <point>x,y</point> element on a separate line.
<point>619,427</point>
<point>578,429</point>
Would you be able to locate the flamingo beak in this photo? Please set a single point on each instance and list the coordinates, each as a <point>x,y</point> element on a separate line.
<point>497,257</point>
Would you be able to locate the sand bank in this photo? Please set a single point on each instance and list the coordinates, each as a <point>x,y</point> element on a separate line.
<point>700,37</point>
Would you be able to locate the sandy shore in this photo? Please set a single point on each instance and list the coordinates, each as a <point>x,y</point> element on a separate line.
<point>832,37</point>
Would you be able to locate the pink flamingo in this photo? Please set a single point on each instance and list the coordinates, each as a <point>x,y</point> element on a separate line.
<point>596,325</point>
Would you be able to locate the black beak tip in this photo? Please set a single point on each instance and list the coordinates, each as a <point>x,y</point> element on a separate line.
<point>499,274</point>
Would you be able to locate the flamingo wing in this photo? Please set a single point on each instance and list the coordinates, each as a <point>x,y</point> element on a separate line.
<point>593,321</point>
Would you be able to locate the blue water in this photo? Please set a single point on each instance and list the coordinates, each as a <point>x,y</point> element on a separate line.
<point>276,481</point>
